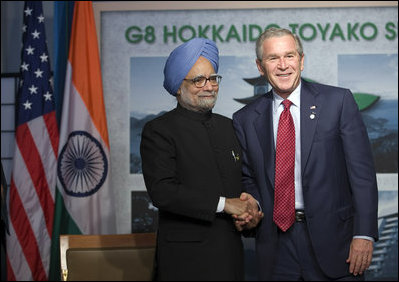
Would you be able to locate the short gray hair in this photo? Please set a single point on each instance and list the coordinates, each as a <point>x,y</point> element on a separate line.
<point>276,32</point>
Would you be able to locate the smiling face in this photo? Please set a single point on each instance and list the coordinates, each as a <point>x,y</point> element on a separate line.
<point>198,99</point>
<point>281,64</point>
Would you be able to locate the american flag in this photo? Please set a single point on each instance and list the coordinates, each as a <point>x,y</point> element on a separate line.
<point>33,180</point>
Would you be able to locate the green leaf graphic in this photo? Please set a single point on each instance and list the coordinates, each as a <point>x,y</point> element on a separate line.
<point>364,100</point>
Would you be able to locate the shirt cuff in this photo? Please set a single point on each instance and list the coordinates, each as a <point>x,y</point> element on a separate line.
<point>221,204</point>
<point>364,237</point>
<point>259,207</point>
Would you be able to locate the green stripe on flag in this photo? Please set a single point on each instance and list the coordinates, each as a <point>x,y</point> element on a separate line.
<point>63,224</point>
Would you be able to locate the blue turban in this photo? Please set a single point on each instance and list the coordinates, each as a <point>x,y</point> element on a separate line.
<point>183,58</point>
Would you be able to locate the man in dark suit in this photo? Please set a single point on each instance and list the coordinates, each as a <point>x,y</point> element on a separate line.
<point>325,171</point>
<point>191,164</point>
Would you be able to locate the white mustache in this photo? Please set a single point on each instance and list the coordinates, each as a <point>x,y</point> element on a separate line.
<point>213,93</point>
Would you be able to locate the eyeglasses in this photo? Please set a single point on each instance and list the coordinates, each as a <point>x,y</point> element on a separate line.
<point>200,81</point>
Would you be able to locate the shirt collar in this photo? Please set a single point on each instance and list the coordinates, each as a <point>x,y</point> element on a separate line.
<point>199,116</point>
<point>294,97</point>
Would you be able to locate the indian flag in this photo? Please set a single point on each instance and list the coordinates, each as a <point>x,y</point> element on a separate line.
<point>84,202</point>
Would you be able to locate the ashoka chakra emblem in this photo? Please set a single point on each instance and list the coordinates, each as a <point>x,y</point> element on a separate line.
<point>82,165</point>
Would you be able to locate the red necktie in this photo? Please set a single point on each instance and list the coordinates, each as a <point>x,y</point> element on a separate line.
<point>284,187</point>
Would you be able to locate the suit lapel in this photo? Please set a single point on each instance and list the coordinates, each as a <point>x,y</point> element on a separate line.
<point>310,110</point>
<point>263,124</point>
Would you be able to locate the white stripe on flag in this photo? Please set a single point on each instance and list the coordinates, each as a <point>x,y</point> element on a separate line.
<point>42,140</point>
<point>33,209</point>
<point>17,259</point>
<point>75,115</point>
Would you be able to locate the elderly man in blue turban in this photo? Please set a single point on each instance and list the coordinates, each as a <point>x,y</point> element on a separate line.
<point>191,163</point>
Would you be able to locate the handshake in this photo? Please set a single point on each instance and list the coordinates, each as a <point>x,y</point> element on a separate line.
<point>244,210</point>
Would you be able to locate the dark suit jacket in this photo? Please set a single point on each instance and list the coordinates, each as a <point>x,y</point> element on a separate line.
<point>338,176</point>
<point>188,164</point>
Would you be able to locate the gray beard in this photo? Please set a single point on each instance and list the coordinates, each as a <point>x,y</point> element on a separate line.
<point>207,104</point>
<point>204,104</point>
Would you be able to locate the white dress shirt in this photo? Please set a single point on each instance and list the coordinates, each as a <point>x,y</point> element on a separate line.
<point>278,108</point>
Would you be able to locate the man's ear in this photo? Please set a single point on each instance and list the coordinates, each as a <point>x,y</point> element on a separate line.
<point>260,67</point>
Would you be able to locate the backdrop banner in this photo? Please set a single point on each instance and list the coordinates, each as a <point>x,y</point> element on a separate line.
<point>351,47</point>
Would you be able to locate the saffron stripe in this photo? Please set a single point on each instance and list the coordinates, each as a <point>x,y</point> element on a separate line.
<point>85,60</point>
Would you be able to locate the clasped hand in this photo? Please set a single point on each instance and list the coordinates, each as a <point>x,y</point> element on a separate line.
<point>244,211</point>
